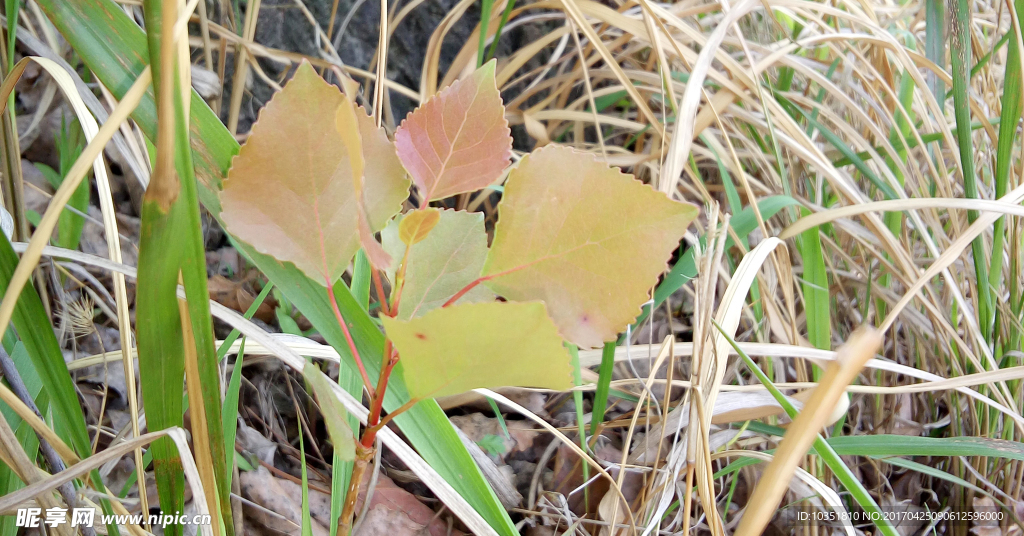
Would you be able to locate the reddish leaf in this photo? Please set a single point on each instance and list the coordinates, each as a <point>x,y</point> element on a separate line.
<point>458,141</point>
<point>588,240</point>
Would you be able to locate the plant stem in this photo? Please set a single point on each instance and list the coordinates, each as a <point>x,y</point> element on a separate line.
<point>372,430</point>
<point>484,278</point>
<point>467,288</point>
<point>363,457</point>
<point>389,360</point>
<point>348,338</point>
<point>399,285</point>
<point>381,297</point>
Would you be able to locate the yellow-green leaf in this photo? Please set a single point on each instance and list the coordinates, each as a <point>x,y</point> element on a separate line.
<point>333,411</point>
<point>448,259</point>
<point>462,347</point>
<point>458,141</point>
<point>385,183</point>
<point>586,239</point>
<point>416,225</point>
<point>295,189</point>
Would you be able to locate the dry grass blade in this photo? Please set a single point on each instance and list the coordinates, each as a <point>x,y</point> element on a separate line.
<point>90,129</point>
<point>679,149</point>
<point>49,221</point>
<point>41,487</point>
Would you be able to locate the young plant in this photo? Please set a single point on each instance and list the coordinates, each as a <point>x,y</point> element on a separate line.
<point>576,248</point>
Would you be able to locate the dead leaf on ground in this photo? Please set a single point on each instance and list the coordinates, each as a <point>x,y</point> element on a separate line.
<point>238,295</point>
<point>274,494</point>
<point>394,507</point>
<point>477,426</point>
<point>568,476</point>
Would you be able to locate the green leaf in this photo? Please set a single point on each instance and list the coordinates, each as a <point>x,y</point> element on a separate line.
<point>586,239</point>
<point>333,412</point>
<point>447,260</point>
<point>492,444</point>
<point>451,350</point>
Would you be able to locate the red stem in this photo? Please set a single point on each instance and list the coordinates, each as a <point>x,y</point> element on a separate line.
<point>348,338</point>
<point>467,288</point>
<point>370,434</point>
<point>388,362</point>
<point>381,297</point>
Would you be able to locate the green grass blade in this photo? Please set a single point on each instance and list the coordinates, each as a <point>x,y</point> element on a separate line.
<point>170,215</point>
<point>912,142</point>
<point>960,54</point>
<point>843,147</point>
<point>931,471</point>
<point>161,350</point>
<point>604,381</point>
<point>577,398</point>
<point>828,455</point>
<point>814,284</point>
<point>485,24</point>
<point>1008,119</point>
<point>342,475</point>
<point>9,480</point>
<point>899,445</point>
<point>230,413</point>
<point>34,329</point>
<point>11,9</point>
<point>233,336</point>
<point>70,143</point>
<point>935,42</point>
<point>307,520</point>
<point>501,27</point>
<point>361,275</point>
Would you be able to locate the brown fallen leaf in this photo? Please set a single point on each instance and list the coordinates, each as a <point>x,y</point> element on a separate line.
<point>477,426</point>
<point>381,520</point>
<point>237,296</point>
<point>394,506</point>
<point>280,506</point>
<point>569,476</point>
